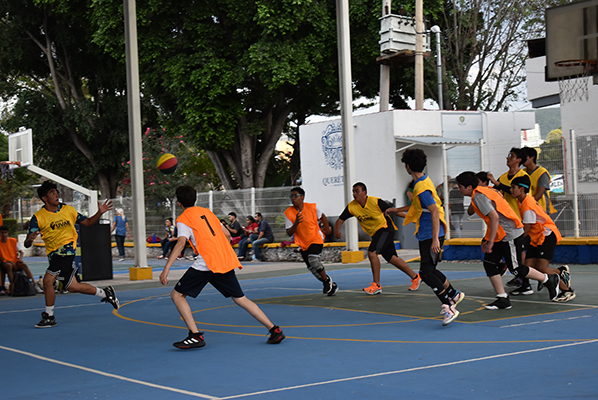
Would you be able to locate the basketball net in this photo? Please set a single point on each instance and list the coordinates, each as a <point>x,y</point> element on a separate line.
<point>574,81</point>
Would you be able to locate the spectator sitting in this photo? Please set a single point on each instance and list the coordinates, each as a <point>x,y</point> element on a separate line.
<point>11,260</point>
<point>235,228</point>
<point>169,239</point>
<point>250,229</point>
<point>265,235</point>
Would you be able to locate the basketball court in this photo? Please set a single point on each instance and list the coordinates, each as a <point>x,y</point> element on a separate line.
<point>350,346</point>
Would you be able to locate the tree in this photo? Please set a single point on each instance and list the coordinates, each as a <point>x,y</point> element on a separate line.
<point>484,50</point>
<point>68,91</point>
<point>230,75</point>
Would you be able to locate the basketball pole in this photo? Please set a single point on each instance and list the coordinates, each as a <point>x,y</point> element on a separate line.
<point>346,92</point>
<point>135,147</point>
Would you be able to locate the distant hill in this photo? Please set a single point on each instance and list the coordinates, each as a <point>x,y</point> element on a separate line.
<point>548,119</point>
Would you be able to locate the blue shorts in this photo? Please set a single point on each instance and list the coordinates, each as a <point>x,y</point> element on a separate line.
<point>193,281</point>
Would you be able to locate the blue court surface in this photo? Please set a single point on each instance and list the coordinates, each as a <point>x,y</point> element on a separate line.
<point>351,346</point>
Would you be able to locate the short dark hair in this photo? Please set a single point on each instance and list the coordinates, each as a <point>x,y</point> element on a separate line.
<point>234,214</point>
<point>250,218</point>
<point>259,214</point>
<point>483,176</point>
<point>531,152</point>
<point>170,219</point>
<point>46,186</point>
<point>415,158</point>
<point>519,153</point>
<point>361,185</point>
<point>298,190</point>
<point>523,182</point>
<point>186,195</point>
<point>467,178</point>
<point>4,228</point>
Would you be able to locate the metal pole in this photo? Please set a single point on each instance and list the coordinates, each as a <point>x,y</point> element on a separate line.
<point>135,147</point>
<point>574,180</point>
<point>419,55</point>
<point>385,69</point>
<point>344,62</point>
<point>436,30</point>
<point>445,192</point>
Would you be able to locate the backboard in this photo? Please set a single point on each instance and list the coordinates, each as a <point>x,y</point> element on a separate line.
<point>20,147</point>
<point>571,34</point>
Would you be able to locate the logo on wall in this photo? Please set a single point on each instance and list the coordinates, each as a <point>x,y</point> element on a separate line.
<point>332,145</point>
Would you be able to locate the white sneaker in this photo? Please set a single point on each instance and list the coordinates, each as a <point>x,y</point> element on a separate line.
<point>450,314</point>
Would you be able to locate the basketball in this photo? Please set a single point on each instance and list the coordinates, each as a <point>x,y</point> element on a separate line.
<point>167,163</point>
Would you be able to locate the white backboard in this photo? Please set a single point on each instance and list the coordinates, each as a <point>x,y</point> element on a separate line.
<point>20,147</point>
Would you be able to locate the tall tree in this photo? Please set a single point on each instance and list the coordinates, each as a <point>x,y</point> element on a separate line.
<point>484,50</point>
<point>230,74</point>
<point>68,91</point>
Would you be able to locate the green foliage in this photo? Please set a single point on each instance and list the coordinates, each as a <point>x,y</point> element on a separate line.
<point>193,168</point>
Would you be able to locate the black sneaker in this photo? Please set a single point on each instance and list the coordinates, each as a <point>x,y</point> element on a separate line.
<point>330,287</point>
<point>522,291</point>
<point>333,289</point>
<point>111,297</point>
<point>501,303</point>
<point>540,285</point>
<point>552,284</point>
<point>565,275</point>
<point>276,335</point>
<point>193,341</point>
<point>47,321</point>
<point>515,282</point>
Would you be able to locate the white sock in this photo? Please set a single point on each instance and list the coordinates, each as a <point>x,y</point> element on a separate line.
<point>50,310</point>
<point>545,278</point>
<point>503,295</point>
<point>100,293</point>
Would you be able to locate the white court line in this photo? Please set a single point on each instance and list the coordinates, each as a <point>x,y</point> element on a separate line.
<point>43,309</point>
<point>545,321</point>
<point>405,370</point>
<point>109,375</point>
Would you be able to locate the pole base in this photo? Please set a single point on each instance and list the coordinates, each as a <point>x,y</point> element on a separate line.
<point>140,274</point>
<point>349,257</point>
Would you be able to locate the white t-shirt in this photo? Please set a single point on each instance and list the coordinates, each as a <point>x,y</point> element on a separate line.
<point>183,230</point>
<point>530,217</point>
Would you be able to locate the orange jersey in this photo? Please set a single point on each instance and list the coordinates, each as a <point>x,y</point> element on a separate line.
<point>536,231</point>
<point>501,207</point>
<point>8,250</point>
<point>308,231</point>
<point>210,242</point>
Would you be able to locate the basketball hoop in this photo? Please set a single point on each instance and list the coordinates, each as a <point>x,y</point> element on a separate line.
<point>11,164</point>
<point>574,80</point>
<point>6,168</point>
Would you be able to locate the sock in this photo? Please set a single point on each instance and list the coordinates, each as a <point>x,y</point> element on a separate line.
<point>444,299</point>
<point>451,291</point>
<point>100,293</point>
<point>503,295</point>
<point>50,310</point>
<point>545,278</point>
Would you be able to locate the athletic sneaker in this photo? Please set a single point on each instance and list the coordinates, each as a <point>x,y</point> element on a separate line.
<point>330,288</point>
<point>501,303</point>
<point>450,314</point>
<point>111,297</point>
<point>47,321</point>
<point>565,275</point>
<point>415,283</point>
<point>276,335</point>
<point>457,298</point>
<point>193,341</point>
<point>502,268</point>
<point>565,296</point>
<point>515,282</point>
<point>522,291</point>
<point>540,285</point>
<point>552,284</point>
<point>373,289</point>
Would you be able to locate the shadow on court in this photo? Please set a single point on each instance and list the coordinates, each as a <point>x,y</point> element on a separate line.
<point>351,346</point>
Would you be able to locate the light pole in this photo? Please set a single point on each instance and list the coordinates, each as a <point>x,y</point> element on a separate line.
<point>436,29</point>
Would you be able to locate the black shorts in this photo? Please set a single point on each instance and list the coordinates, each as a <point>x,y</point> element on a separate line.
<point>545,250</point>
<point>383,243</point>
<point>315,248</point>
<point>510,251</point>
<point>193,281</point>
<point>63,268</point>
